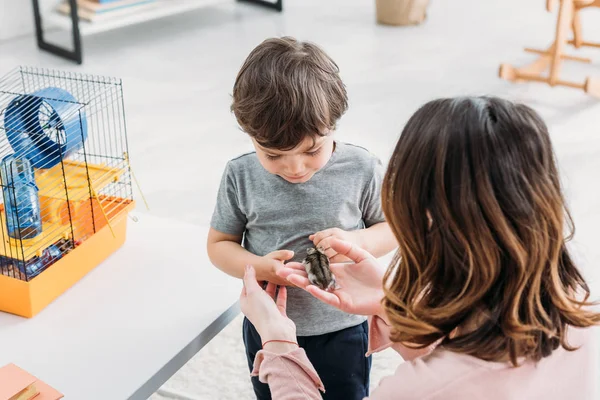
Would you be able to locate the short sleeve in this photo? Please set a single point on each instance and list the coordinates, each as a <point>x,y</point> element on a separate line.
<point>228,216</point>
<point>371,201</point>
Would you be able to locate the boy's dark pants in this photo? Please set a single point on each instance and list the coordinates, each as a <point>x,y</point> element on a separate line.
<point>338,357</point>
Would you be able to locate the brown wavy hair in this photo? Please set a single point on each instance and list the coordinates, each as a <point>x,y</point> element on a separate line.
<point>472,194</point>
<point>288,90</point>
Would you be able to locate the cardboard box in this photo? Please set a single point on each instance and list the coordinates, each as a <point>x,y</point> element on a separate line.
<point>17,384</point>
<point>401,12</point>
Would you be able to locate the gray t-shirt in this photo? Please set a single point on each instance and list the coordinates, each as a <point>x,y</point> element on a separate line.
<point>273,214</point>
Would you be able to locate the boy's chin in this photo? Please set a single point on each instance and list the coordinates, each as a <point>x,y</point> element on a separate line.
<point>301,179</point>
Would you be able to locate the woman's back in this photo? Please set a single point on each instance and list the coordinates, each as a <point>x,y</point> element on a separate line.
<point>448,375</point>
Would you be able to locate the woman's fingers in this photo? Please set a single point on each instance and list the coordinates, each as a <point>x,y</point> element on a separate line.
<point>340,259</point>
<point>324,244</point>
<point>250,283</point>
<point>349,250</point>
<point>295,266</point>
<point>271,289</point>
<point>286,271</point>
<point>325,297</point>
<point>300,281</point>
<point>282,300</point>
<point>319,236</point>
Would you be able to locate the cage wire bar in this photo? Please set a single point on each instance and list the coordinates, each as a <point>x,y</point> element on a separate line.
<point>64,167</point>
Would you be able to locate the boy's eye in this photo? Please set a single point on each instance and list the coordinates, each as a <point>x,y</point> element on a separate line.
<point>272,157</point>
<point>314,153</point>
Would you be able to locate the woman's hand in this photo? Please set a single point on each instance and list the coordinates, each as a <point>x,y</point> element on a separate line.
<point>267,313</point>
<point>324,238</point>
<point>361,283</point>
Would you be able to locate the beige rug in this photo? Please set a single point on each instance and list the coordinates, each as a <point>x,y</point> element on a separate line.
<point>219,371</point>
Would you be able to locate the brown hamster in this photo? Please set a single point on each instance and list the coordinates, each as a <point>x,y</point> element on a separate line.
<point>316,264</point>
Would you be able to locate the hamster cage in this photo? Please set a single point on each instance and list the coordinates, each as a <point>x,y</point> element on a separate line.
<point>65,179</point>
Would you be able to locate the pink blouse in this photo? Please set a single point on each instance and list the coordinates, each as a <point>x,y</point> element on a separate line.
<point>436,373</point>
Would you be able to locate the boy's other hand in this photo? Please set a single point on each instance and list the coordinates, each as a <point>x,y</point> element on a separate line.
<point>324,238</point>
<point>271,263</point>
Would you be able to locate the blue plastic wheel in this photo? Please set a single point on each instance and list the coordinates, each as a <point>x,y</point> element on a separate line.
<point>45,126</point>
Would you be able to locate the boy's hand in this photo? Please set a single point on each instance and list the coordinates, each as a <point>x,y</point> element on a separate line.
<point>324,238</point>
<point>271,263</point>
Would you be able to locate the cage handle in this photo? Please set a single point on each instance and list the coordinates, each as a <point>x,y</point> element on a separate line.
<point>126,156</point>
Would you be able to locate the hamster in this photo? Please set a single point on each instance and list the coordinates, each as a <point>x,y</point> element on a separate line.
<point>316,264</point>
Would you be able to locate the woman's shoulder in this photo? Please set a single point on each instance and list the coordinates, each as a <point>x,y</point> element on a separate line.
<point>425,376</point>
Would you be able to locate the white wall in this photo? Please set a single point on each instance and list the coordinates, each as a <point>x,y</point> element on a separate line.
<point>16,17</point>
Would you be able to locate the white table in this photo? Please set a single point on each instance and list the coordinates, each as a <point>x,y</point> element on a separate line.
<point>131,323</point>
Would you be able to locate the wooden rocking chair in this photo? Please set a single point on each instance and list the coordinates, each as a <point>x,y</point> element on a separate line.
<point>568,19</point>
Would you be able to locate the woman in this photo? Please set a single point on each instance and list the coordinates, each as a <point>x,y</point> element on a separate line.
<point>483,298</point>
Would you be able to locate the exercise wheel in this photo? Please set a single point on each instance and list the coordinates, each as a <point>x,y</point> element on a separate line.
<point>45,126</point>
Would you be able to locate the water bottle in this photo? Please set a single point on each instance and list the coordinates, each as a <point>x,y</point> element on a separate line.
<point>21,201</point>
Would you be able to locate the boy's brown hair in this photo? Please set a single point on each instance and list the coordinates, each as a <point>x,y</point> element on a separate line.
<point>288,90</point>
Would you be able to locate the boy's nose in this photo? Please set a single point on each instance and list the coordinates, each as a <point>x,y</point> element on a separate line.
<point>295,168</point>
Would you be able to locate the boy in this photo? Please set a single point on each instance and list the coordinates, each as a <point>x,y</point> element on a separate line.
<point>299,189</point>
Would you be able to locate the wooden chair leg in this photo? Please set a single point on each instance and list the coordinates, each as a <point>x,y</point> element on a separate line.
<point>592,87</point>
<point>578,41</point>
<point>512,74</point>
<point>564,56</point>
<point>563,25</point>
<point>577,31</point>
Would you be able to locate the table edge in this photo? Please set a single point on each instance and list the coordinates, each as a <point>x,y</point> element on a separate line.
<point>186,354</point>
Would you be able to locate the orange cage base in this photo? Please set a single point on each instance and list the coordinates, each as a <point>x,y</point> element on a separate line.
<point>29,298</point>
